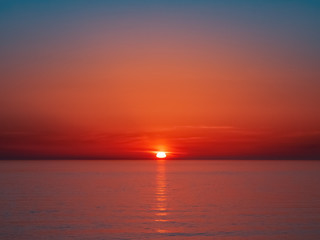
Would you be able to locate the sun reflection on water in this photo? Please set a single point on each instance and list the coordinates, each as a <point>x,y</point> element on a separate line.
<point>161,196</point>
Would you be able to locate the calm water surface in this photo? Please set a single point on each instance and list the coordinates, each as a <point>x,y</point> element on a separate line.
<point>160,200</point>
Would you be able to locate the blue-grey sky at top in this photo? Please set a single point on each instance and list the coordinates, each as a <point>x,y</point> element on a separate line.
<point>35,22</point>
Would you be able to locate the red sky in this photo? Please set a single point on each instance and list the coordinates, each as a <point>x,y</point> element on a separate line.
<point>126,85</point>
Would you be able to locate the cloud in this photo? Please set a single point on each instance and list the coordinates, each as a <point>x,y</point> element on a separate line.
<point>196,127</point>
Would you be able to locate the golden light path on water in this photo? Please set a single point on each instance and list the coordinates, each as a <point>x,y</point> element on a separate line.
<point>161,195</point>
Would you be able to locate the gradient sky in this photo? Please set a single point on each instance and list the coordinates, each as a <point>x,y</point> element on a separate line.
<point>123,79</point>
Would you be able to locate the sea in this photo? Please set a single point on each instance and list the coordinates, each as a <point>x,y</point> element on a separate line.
<point>160,199</point>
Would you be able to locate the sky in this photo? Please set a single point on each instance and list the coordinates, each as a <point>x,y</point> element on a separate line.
<point>124,79</point>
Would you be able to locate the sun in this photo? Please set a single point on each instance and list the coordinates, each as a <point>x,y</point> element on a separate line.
<point>161,155</point>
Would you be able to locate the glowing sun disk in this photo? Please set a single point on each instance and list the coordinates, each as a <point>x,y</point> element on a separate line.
<point>161,155</point>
